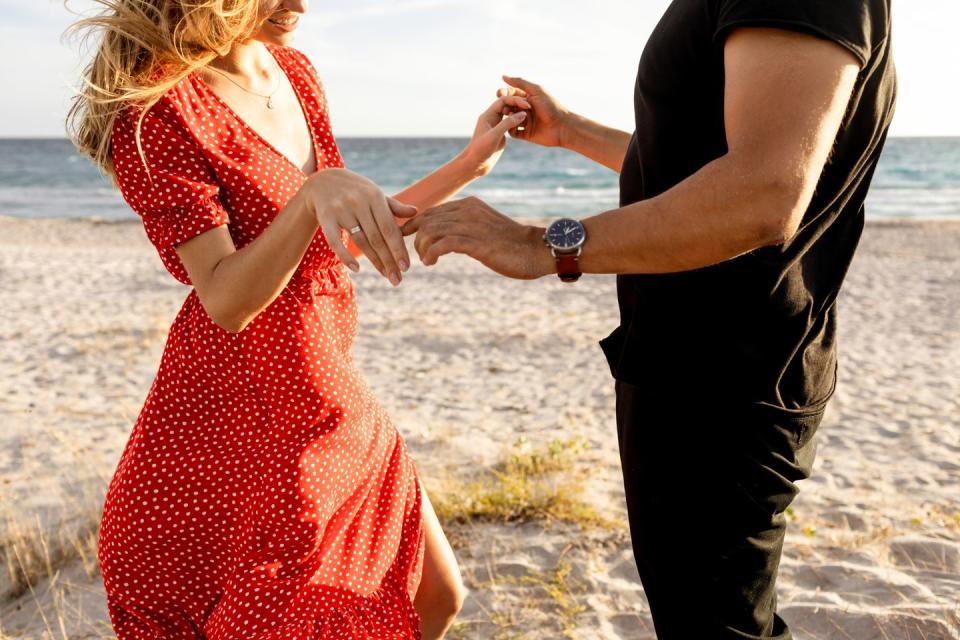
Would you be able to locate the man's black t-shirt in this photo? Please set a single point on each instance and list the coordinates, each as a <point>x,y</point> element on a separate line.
<point>759,329</point>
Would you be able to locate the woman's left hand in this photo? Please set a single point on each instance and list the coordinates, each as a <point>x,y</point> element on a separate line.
<point>490,137</point>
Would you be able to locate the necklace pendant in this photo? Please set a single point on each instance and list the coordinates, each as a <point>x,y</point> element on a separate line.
<point>270,102</point>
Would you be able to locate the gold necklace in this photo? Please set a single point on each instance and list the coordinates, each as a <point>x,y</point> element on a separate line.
<point>269,96</point>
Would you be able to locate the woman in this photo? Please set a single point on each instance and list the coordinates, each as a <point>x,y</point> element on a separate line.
<point>263,492</point>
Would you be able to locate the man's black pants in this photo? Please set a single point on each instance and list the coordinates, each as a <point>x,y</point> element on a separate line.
<point>706,489</point>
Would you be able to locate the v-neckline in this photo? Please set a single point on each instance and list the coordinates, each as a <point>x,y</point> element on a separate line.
<point>256,134</point>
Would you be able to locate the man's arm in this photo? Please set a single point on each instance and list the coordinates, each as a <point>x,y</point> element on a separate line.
<point>785,98</point>
<point>602,144</point>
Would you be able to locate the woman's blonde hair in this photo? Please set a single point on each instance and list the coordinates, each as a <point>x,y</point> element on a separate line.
<point>145,48</point>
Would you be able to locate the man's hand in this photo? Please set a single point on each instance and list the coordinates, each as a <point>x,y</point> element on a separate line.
<point>547,119</point>
<point>549,124</point>
<point>472,227</point>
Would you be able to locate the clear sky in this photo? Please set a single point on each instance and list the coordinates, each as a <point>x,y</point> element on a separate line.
<point>429,67</point>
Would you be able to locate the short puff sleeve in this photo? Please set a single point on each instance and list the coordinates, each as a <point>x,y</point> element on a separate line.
<point>859,26</point>
<point>179,197</point>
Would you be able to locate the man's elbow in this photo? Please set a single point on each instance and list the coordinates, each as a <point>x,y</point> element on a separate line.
<point>785,202</point>
<point>778,230</point>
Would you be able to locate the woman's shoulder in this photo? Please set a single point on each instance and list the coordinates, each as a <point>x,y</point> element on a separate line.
<point>298,57</point>
<point>140,133</point>
<point>174,110</point>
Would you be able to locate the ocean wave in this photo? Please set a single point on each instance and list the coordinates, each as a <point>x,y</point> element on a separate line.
<point>43,178</point>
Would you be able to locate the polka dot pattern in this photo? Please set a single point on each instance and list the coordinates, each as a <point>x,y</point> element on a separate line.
<point>263,492</point>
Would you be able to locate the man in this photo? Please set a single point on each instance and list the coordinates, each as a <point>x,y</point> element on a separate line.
<point>758,127</point>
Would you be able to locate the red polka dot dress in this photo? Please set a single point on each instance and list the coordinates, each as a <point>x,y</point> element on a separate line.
<point>263,492</point>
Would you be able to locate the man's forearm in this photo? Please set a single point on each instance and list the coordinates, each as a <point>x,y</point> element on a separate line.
<point>719,213</point>
<point>602,144</point>
<point>733,205</point>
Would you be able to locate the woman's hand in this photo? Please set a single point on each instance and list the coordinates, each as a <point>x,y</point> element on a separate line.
<point>341,199</point>
<point>490,136</point>
<point>547,121</point>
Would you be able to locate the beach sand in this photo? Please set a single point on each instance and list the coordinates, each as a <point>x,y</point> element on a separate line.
<point>522,464</point>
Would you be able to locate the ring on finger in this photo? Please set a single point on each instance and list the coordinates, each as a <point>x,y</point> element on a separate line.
<point>355,230</point>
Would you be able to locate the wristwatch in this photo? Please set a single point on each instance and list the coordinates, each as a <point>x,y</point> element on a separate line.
<point>565,237</point>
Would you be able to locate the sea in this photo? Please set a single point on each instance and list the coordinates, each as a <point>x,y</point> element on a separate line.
<point>47,178</point>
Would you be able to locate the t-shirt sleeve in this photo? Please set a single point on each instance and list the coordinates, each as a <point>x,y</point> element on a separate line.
<point>856,25</point>
<point>179,197</point>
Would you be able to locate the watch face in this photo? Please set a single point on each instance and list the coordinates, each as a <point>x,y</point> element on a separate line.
<point>566,234</point>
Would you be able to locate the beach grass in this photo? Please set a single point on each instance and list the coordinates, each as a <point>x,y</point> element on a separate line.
<point>554,595</point>
<point>49,570</point>
<point>49,563</point>
<point>544,485</point>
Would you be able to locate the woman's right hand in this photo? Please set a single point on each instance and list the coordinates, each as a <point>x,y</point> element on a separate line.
<point>342,199</point>
<point>546,123</point>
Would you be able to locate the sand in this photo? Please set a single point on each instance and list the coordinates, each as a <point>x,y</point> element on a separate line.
<point>474,369</point>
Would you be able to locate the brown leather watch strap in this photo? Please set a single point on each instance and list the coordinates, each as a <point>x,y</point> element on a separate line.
<point>568,266</point>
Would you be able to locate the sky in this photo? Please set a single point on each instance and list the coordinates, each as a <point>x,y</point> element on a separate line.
<point>430,67</point>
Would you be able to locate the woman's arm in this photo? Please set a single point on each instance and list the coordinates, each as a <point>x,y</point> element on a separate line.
<point>441,185</point>
<point>235,285</point>
<point>475,161</point>
<point>552,125</point>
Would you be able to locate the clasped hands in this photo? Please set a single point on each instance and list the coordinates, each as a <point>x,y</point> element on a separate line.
<point>468,226</point>
<point>472,227</point>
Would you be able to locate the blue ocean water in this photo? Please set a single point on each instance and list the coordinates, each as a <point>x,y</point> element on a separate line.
<point>917,178</point>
